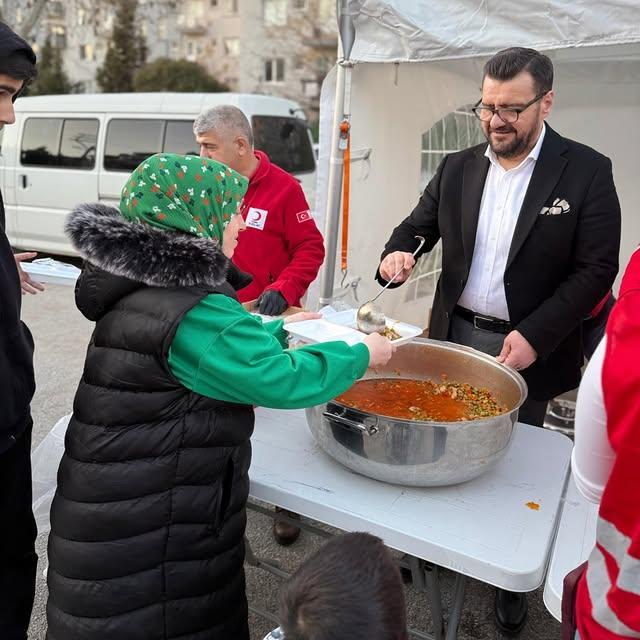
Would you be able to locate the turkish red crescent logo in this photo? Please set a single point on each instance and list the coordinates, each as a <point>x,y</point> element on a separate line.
<point>257,214</point>
<point>303,216</point>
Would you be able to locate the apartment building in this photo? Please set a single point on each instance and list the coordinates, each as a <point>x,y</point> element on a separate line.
<point>275,47</point>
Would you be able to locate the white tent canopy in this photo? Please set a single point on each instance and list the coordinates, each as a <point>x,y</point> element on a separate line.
<point>423,30</point>
<point>405,116</point>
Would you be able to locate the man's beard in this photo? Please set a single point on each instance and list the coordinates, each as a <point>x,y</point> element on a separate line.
<point>515,146</point>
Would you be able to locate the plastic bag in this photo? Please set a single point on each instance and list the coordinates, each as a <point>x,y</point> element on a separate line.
<point>45,460</point>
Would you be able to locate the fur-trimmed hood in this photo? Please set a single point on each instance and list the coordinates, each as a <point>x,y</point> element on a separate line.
<point>122,255</point>
<point>143,253</point>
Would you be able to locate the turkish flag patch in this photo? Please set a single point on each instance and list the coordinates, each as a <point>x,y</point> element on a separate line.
<point>303,216</point>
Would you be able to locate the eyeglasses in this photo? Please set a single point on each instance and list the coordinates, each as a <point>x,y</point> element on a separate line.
<point>508,116</point>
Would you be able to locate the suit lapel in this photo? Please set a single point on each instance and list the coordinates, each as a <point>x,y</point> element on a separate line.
<point>473,178</point>
<point>547,172</point>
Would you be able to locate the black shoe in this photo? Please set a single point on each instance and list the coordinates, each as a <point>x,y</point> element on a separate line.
<point>510,611</point>
<point>284,532</point>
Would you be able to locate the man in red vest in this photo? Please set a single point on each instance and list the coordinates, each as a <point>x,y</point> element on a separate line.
<point>281,248</point>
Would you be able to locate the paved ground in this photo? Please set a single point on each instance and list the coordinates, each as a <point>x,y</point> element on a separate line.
<point>61,336</point>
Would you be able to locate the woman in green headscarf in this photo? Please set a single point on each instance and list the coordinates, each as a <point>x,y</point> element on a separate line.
<point>148,520</point>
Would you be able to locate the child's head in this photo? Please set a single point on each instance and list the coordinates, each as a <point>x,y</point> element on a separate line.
<point>350,589</point>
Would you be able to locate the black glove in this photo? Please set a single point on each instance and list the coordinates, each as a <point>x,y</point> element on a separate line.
<point>272,303</point>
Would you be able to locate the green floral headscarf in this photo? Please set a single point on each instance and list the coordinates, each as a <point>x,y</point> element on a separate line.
<point>184,193</point>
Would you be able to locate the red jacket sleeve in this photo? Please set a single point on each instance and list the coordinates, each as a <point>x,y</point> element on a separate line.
<point>304,244</point>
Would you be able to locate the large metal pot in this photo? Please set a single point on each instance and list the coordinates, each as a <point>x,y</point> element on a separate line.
<point>419,453</point>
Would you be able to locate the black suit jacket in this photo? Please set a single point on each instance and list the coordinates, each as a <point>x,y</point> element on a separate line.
<point>559,266</point>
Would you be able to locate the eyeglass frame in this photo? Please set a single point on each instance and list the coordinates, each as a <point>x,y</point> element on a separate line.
<point>496,111</point>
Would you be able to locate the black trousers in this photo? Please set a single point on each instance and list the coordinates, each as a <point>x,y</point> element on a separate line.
<point>18,558</point>
<point>463,332</point>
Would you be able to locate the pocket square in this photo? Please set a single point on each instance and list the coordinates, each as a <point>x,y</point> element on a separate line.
<point>559,206</point>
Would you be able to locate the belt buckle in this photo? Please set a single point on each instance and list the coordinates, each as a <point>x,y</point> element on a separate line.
<point>484,319</point>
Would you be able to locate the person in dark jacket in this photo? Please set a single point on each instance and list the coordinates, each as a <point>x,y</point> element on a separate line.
<point>17,384</point>
<point>148,520</point>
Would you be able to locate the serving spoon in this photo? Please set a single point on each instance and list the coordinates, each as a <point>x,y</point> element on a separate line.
<point>370,318</point>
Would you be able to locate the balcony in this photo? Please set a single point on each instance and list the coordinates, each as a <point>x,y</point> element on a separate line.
<point>191,26</point>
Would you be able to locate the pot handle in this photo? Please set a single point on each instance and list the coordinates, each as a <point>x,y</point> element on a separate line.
<point>350,424</point>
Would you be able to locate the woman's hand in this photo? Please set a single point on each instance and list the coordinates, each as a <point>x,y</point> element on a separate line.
<point>380,349</point>
<point>302,315</point>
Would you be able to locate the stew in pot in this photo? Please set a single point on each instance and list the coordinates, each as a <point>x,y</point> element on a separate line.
<point>421,400</point>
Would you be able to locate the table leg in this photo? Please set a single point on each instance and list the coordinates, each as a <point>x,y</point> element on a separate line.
<point>271,566</point>
<point>455,612</point>
<point>432,581</point>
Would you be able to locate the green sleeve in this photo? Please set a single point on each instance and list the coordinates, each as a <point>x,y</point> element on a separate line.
<point>223,352</point>
<point>276,329</point>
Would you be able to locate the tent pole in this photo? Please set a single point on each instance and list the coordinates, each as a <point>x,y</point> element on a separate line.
<point>334,196</point>
<point>341,110</point>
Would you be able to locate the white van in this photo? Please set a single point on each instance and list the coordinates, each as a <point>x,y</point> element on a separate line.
<point>67,149</point>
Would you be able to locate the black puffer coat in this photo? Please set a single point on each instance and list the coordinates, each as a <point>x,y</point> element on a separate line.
<point>147,524</point>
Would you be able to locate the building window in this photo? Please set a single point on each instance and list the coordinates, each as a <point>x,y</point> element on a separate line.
<point>274,70</point>
<point>214,3</point>
<point>162,28</point>
<point>234,8</point>
<point>58,37</point>
<point>82,17</point>
<point>299,4</point>
<point>275,12</point>
<point>86,52</point>
<point>310,88</point>
<point>56,10</point>
<point>326,9</point>
<point>232,46</point>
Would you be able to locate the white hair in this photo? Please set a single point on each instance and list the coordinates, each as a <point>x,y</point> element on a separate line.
<point>227,120</point>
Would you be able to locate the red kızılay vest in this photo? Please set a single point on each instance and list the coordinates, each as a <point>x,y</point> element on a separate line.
<point>608,598</point>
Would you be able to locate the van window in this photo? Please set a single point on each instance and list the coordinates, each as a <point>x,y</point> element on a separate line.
<point>57,142</point>
<point>78,144</point>
<point>129,142</point>
<point>179,138</point>
<point>40,142</point>
<point>286,141</point>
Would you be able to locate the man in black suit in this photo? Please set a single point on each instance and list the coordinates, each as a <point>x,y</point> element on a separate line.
<point>530,229</point>
<point>17,526</point>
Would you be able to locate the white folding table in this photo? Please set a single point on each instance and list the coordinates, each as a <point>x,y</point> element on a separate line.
<point>575,539</point>
<point>498,528</point>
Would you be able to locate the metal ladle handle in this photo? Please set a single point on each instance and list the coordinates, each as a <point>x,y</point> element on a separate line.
<point>397,273</point>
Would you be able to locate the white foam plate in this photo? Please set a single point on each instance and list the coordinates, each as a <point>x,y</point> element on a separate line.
<point>322,330</point>
<point>343,326</point>
<point>50,271</point>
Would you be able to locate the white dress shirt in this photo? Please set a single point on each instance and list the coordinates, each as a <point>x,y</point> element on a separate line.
<point>500,206</point>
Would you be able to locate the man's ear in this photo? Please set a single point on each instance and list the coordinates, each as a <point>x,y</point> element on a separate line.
<point>243,146</point>
<point>547,103</point>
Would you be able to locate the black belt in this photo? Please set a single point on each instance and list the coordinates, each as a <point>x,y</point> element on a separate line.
<point>486,323</point>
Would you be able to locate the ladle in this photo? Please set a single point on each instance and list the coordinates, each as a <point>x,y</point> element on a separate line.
<point>370,318</point>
